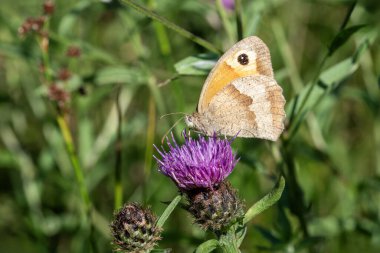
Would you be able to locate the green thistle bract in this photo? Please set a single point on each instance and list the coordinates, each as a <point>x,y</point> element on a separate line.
<point>215,209</point>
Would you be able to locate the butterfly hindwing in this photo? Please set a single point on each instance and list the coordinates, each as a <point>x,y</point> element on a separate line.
<point>252,106</point>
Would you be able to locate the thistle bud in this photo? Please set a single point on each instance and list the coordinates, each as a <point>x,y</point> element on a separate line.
<point>134,229</point>
<point>215,209</point>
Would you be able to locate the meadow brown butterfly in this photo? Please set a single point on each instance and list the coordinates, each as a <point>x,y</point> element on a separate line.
<point>240,95</point>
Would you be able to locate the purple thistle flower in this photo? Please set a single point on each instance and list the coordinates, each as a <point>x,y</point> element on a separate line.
<point>229,4</point>
<point>201,163</point>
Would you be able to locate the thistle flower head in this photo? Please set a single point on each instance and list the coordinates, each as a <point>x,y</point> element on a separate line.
<point>202,163</point>
<point>134,229</point>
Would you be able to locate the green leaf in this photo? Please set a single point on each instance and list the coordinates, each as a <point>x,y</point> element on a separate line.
<point>161,251</point>
<point>265,202</point>
<point>207,246</point>
<point>69,21</point>
<point>343,36</point>
<point>119,74</point>
<point>329,77</point>
<point>196,65</point>
<point>165,215</point>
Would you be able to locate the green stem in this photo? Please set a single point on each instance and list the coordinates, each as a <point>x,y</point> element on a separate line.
<point>226,23</point>
<point>171,25</point>
<point>118,187</point>
<point>228,242</point>
<point>300,115</point>
<point>66,134</point>
<point>161,34</point>
<point>65,131</point>
<point>239,21</point>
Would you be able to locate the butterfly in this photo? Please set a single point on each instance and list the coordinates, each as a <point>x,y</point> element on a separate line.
<point>240,95</point>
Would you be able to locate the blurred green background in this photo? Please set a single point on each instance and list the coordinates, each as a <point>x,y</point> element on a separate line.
<point>132,70</point>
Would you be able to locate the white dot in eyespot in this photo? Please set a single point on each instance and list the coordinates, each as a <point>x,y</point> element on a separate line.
<point>235,64</point>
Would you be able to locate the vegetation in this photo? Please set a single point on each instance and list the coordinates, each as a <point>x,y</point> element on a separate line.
<point>84,86</point>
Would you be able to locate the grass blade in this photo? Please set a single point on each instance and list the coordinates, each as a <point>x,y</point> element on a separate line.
<point>165,215</point>
<point>172,26</point>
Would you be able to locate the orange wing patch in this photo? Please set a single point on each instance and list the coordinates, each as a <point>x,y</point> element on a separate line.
<point>248,57</point>
<point>219,79</point>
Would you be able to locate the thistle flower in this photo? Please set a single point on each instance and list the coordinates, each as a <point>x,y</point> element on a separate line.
<point>134,229</point>
<point>202,163</point>
<point>229,4</point>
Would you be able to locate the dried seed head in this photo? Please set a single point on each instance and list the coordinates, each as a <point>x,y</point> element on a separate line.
<point>134,229</point>
<point>73,51</point>
<point>48,7</point>
<point>64,74</point>
<point>31,25</point>
<point>215,209</point>
<point>58,94</point>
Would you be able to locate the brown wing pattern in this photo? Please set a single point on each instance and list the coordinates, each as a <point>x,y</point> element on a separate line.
<point>252,106</point>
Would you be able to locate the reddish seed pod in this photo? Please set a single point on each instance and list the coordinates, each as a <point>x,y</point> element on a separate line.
<point>64,74</point>
<point>73,51</point>
<point>48,7</point>
<point>58,94</point>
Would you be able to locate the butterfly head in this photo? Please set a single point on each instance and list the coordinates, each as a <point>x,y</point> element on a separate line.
<point>189,120</point>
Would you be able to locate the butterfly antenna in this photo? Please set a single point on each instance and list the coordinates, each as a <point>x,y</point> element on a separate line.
<point>166,134</point>
<point>173,113</point>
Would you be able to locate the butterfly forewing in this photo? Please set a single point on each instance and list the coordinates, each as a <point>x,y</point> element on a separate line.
<point>248,57</point>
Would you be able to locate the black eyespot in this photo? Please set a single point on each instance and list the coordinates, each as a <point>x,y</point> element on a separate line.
<point>243,59</point>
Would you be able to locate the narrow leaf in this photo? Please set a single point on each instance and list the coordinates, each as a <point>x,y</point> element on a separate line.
<point>265,202</point>
<point>196,65</point>
<point>119,74</point>
<point>165,215</point>
<point>207,246</point>
<point>343,36</point>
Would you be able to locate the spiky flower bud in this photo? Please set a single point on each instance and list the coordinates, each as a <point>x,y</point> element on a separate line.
<point>215,209</point>
<point>134,229</point>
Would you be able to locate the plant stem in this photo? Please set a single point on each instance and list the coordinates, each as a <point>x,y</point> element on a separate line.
<point>66,134</point>
<point>118,187</point>
<point>171,25</point>
<point>228,242</point>
<point>300,115</point>
<point>226,23</point>
<point>65,131</point>
<point>239,21</point>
